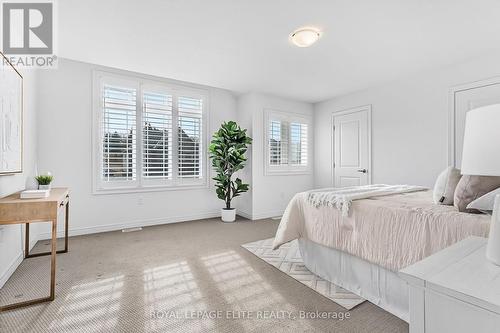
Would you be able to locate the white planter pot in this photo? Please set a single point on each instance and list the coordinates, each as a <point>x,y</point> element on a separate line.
<point>44,187</point>
<point>228,215</point>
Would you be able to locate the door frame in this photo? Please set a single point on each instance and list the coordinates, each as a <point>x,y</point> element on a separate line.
<point>452,160</point>
<point>343,112</point>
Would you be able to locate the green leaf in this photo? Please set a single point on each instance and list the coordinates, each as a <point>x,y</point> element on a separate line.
<point>227,150</point>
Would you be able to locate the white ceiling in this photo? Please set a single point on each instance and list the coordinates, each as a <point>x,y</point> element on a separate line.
<point>242,45</point>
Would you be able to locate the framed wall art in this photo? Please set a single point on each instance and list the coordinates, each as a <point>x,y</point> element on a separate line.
<point>11,118</point>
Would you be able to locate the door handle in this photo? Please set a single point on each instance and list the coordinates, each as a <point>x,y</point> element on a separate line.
<point>362,170</point>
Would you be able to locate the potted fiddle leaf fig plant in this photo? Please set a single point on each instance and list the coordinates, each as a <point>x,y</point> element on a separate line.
<point>227,152</point>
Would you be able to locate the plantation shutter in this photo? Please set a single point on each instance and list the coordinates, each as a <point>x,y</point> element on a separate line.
<point>298,144</point>
<point>190,116</point>
<point>287,143</point>
<point>119,133</point>
<point>147,134</point>
<point>278,142</point>
<point>157,150</point>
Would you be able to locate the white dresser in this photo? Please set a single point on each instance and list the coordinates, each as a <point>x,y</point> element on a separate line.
<point>455,290</point>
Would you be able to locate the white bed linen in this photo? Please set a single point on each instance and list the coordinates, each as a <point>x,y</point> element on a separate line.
<point>376,284</point>
<point>392,231</point>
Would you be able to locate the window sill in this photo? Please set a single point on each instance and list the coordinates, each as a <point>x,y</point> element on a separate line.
<point>145,189</point>
<point>287,172</point>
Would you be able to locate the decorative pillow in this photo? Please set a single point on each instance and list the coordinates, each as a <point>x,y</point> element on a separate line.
<point>444,189</point>
<point>485,203</point>
<point>470,188</point>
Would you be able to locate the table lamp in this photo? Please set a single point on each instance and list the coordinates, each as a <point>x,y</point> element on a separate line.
<point>481,157</point>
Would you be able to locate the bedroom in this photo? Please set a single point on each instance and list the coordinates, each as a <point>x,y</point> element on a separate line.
<point>147,250</point>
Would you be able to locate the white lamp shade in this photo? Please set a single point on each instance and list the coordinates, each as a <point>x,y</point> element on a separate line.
<point>481,154</point>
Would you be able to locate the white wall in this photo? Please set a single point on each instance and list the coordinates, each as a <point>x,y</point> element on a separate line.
<point>410,119</point>
<point>64,134</point>
<point>244,204</point>
<point>11,237</point>
<point>410,123</point>
<point>271,193</point>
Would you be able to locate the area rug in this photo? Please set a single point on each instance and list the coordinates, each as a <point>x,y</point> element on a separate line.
<point>288,260</point>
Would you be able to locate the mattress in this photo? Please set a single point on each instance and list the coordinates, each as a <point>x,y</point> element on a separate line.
<point>392,231</point>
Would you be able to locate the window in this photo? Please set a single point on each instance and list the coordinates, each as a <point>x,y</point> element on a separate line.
<point>147,134</point>
<point>190,120</point>
<point>119,134</point>
<point>287,143</point>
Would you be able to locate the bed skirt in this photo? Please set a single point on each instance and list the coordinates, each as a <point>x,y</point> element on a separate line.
<point>374,283</point>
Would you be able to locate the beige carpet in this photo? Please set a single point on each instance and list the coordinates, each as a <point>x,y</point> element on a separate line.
<point>288,260</point>
<point>185,277</point>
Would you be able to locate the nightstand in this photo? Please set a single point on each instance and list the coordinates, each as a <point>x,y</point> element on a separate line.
<point>455,290</point>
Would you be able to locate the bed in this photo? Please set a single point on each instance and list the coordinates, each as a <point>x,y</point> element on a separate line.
<point>363,251</point>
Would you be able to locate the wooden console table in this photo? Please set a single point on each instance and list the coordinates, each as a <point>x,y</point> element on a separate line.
<point>14,210</point>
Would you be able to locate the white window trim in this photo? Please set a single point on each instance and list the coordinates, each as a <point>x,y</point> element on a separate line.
<point>270,170</point>
<point>141,82</point>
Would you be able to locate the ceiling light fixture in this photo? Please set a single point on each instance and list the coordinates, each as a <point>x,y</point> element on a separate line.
<point>305,37</point>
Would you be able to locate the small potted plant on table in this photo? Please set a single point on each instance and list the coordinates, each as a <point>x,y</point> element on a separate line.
<point>227,151</point>
<point>44,181</point>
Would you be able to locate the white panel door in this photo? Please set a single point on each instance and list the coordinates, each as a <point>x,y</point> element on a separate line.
<point>466,100</point>
<point>352,147</point>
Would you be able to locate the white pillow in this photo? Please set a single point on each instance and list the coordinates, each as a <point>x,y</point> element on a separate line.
<point>445,186</point>
<point>485,203</point>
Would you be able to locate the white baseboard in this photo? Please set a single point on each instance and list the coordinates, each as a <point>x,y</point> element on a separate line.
<point>259,216</point>
<point>131,224</point>
<point>244,214</point>
<point>119,226</point>
<point>33,240</point>
<point>267,215</point>
<point>11,268</point>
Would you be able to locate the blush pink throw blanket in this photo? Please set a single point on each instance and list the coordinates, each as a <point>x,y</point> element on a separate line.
<point>393,231</point>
